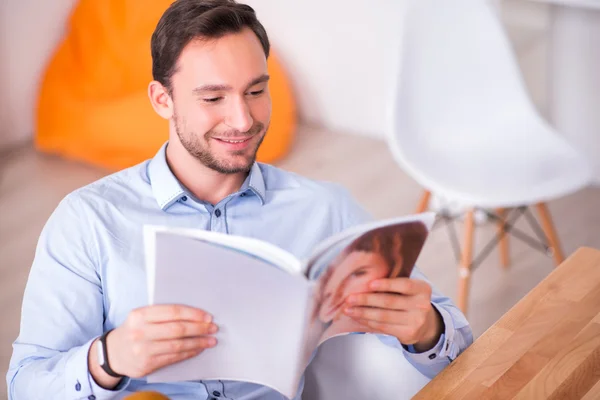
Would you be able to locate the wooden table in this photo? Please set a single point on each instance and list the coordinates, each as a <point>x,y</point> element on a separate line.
<point>546,347</point>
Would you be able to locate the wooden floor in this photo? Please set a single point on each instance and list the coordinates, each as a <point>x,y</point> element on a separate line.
<point>32,184</point>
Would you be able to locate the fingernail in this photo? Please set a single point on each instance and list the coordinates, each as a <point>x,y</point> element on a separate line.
<point>375,285</point>
<point>351,300</point>
<point>212,341</point>
<point>349,310</point>
<point>212,328</point>
<point>207,318</point>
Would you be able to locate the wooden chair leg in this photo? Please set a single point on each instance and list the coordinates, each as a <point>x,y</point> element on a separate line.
<point>424,202</point>
<point>464,269</point>
<point>504,252</point>
<point>550,232</point>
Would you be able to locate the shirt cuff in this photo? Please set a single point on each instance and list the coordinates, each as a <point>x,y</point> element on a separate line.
<point>444,348</point>
<point>426,356</point>
<point>79,382</point>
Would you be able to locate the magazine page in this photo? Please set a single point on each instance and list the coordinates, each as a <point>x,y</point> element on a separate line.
<point>389,250</point>
<point>318,258</point>
<point>268,252</point>
<point>260,311</point>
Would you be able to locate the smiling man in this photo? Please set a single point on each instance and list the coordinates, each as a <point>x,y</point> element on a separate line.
<point>86,329</point>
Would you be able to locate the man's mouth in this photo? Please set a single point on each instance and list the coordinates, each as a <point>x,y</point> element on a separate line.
<point>234,140</point>
<point>236,143</point>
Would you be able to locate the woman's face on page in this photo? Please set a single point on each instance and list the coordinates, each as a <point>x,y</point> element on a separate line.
<point>351,275</point>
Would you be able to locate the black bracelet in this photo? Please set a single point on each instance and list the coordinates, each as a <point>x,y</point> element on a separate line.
<point>103,356</point>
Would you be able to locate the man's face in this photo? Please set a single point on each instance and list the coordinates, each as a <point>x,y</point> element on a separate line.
<point>221,100</point>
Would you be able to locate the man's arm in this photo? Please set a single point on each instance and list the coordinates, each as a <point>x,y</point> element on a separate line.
<point>455,338</point>
<point>62,313</point>
<point>457,334</point>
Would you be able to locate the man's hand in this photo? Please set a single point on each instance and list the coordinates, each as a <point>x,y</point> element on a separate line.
<point>153,337</point>
<point>400,307</point>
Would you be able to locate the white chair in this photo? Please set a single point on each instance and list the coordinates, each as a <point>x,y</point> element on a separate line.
<point>464,127</point>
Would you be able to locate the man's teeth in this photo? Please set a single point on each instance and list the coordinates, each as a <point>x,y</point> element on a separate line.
<point>234,141</point>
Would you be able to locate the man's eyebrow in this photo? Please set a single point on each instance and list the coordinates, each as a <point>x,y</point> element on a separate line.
<point>260,79</point>
<point>224,88</point>
<point>211,88</point>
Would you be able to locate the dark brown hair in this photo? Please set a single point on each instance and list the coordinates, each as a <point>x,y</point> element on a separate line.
<point>399,245</point>
<point>187,20</point>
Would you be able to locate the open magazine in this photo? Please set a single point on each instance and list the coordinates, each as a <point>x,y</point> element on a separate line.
<point>272,309</point>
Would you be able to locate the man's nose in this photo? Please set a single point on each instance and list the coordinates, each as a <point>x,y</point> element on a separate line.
<point>240,117</point>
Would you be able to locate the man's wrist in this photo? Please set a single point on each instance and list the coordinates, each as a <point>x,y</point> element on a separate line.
<point>437,327</point>
<point>103,358</point>
<point>101,378</point>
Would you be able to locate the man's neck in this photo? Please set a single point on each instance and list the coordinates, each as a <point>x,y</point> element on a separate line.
<point>204,183</point>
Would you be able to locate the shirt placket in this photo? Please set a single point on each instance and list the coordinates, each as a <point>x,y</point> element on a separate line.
<point>218,215</point>
<point>218,221</point>
<point>216,390</point>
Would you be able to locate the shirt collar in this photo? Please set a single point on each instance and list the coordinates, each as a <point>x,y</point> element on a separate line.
<point>167,189</point>
<point>256,182</point>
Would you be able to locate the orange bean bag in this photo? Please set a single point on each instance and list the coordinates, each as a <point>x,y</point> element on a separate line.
<point>93,104</point>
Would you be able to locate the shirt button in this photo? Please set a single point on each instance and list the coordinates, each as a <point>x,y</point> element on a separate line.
<point>184,198</point>
<point>91,397</point>
<point>218,213</point>
<point>216,394</point>
<point>431,356</point>
<point>243,195</point>
<point>78,387</point>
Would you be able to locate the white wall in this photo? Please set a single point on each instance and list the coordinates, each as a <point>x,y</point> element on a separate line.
<point>29,31</point>
<point>342,56</point>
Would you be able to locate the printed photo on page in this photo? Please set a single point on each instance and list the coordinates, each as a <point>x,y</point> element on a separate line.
<point>386,252</point>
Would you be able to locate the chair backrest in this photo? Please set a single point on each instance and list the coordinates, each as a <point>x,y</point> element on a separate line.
<point>458,75</point>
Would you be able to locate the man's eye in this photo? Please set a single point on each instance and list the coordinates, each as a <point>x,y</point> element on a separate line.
<point>257,92</point>
<point>212,99</point>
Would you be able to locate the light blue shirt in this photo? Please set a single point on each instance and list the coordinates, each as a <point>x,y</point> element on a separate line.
<point>88,272</point>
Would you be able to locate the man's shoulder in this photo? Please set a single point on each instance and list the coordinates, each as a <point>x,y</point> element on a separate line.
<point>280,180</point>
<point>117,187</point>
<point>333,198</point>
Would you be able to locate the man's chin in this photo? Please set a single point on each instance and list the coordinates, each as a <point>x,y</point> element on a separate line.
<point>233,166</point>
<point>226,161</point>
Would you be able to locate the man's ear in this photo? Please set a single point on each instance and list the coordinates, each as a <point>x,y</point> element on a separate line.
<point>160,99</point>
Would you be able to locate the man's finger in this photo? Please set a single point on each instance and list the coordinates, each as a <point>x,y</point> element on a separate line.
<point>182,345</point>
<point>405,333</point>
<point>389,301</point>
<point>178,329</point>
<point>162,360</point>
<point>378,315</point>
<point>382,327</point>
<point>172,312</point>
<point>406,286</point>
